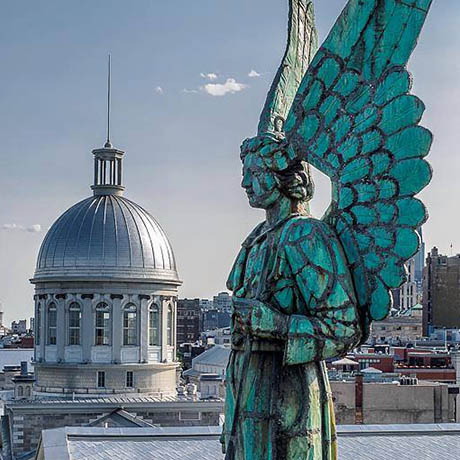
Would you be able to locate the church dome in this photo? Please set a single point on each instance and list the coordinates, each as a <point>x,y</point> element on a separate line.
<point>106,237</point>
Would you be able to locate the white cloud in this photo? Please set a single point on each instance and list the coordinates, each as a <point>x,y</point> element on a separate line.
<point>35,228</point>
<point>231,86</point>
<point>209,76</point>
<point>159,90</point>
<point>254,74</point>
<point>189,91</point>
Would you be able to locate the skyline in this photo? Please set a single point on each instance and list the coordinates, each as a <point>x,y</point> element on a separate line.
<point>180,115</point>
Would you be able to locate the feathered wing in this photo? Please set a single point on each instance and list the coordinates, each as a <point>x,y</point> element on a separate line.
<point>354,119</point>
<point>301,47</point>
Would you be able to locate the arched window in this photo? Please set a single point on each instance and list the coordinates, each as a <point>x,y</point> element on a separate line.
<point>74,323</point>
<point>38,321</point>
<point>170,325</point>
<point>130,325</point>
<point>154,325</point>
<point>20,391</point>
<point>102,329</point>
<point>28,392</point>
<point>52,322</point>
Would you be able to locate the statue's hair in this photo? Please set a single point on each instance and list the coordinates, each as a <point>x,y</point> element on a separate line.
<point>296,182</point>
<point>293,175</point>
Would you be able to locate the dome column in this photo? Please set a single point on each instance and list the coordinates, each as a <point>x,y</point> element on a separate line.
<point>42,306</point>
<point>117,331</point>
<point>164,329</point>
<point>87,329</point>
<point>61,329</point>
<point>144,329</point>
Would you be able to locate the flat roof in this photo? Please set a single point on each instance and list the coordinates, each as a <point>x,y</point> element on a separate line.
<point>363,442</point>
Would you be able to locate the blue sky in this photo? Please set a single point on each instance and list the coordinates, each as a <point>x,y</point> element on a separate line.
<point>182,161</point>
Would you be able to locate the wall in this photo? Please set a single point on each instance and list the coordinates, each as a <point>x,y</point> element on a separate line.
<point>26,423</point>
<point>387,403</point>
<point>156,379</point>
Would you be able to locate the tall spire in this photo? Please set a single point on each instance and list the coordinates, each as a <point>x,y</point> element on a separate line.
<point>108,161</point>
<point>108,144</point>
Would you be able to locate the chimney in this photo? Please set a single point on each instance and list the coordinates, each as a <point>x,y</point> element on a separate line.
<point>359,418</point>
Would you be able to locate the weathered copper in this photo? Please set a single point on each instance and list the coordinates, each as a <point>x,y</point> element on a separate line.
<point>306,290</point>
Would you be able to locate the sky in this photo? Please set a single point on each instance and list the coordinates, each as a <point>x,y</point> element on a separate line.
<point>189,82</point>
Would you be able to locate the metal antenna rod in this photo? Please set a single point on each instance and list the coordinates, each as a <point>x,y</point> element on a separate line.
<point>109,78</point>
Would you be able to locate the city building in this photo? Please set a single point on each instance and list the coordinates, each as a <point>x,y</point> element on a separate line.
<point>19,327</point>
<point>24,420</point>
<point>359,402</point>
<point>410,293</point>
<point>208,372</point>
<point>403,327</point>
<point>188,320</point>
<point>105,295</point>
<point>221,336</point>
<point>441,295</point>
<point>206,304</point>
<point>105,324</point>
<point>216,319</point>
<point>222,302</point>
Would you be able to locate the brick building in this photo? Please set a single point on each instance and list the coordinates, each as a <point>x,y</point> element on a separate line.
<point>188,320</point>
<point>441,292</point>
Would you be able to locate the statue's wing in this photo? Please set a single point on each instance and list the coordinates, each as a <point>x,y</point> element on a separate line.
<point>354,119</point>
<point>301,47</point>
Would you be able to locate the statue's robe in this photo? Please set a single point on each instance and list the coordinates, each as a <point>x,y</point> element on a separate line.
<point>279,403</point>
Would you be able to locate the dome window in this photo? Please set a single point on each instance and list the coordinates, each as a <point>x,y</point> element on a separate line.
<point>102,329</point>
<point>170,326</point>
<point>154,325</point>
<point>74,323</point>
<point>130,325</point>
<point>52,323</point>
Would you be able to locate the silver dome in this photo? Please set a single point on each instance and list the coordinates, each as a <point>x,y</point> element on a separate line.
<point>106,237</point>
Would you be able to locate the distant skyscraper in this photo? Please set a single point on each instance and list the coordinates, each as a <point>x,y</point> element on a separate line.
<point>188,321</point>
<point>410,293</point>
<point>441,292</point>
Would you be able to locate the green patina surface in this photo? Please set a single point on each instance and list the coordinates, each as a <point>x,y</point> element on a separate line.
<point>305,289</point>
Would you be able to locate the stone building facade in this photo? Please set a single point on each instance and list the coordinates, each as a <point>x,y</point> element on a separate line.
<point>392,403</point>
<point>24,420</point>
<point>106,295</point>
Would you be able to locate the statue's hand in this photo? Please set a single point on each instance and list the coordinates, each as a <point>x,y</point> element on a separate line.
<point>260,319</point>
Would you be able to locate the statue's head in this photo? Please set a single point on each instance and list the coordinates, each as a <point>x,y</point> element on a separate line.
<point>271,170</point>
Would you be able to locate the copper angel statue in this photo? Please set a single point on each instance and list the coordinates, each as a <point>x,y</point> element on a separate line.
<point>306,290</point>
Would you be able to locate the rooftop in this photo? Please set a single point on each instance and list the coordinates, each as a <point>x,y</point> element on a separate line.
<point>363,442</point>
<point>106,237</point>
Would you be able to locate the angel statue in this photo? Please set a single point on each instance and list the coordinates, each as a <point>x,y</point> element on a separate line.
<point>306,290</point>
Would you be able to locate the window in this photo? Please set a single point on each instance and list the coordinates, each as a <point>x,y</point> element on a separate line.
<point>170,325</point>
<point>154,325</point>
<point>130,325</point>
<point>27,392</point>
<point>52,320</point>
<point>74,323</point>
<point>38,321</point>
<point>100,379</point>
<point>129,379</point>
<point>20,391</point>
<point>102,328</point>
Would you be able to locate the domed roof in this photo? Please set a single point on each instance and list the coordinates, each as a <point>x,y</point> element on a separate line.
<point>106,237</point>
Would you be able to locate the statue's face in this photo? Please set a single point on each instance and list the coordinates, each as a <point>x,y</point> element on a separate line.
<point>259,182</point>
